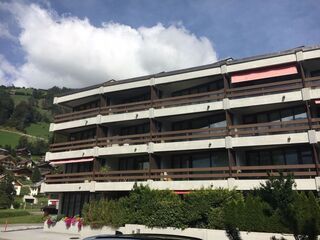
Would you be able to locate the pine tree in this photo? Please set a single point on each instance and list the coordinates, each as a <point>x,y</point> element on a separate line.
<point>36,175</point>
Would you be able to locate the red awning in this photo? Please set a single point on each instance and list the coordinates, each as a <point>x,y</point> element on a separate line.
<point>71,161</point>
<point>261,73</point>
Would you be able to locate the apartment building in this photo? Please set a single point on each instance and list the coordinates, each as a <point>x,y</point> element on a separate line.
<point>228,124</point>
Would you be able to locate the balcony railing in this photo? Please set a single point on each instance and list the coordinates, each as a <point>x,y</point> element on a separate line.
<point>238,172</point>
<point>257,129</point>
<point>233,93</point>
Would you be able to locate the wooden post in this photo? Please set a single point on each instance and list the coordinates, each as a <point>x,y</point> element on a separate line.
<point>94,168</point>
<point>316,158</point>
<point>231,161</point>
<point>226,85</point>
<point>309,116</point>
<point>302,74</point>
<point>307,103</point>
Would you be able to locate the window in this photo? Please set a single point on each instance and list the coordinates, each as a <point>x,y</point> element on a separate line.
<point>265,158</point>
<point>137,129</point>
<point>201,160</point>
<point>276,115</point>
<point>306,156</point>
<point>262,117</point>
<point>213,86</point>
<point>278,157</point>
<point>286,115</point>
<point>219,159</point>
<point>291,156</point>
<point>253,159</point>
<point>249,119</point>
<point>300,113</point>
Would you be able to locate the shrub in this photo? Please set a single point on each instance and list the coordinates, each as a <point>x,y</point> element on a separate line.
<point>25,190</point>
<point>13,213</point>
<point>305,221</point>
<point>251,214</point>
<point>205,206</point>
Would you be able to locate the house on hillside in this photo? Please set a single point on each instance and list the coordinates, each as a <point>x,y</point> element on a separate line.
<point>23,152</point>
<point>24,163</point>
<point>4,151</point>
<point>7,162</point>
<point>22,172</point>
<point>17,186</point>
<point>44,168</point>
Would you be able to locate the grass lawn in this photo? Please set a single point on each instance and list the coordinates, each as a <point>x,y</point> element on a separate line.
<point>40,129</point>
<point>13,216</point>
<point>8,138</point>
<point>27,91</point>
<point>22,219</point>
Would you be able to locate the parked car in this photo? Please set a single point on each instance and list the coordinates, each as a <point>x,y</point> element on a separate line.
<point>141,236</point>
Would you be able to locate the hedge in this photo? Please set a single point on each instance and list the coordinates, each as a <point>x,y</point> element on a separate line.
<point>211,209</point>
<point>13,213</point>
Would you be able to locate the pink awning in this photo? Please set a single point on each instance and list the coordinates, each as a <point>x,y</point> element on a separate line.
<point>262,73</point>
<point>317,101</point>
<point>71,161</point>
<point>181,192</point>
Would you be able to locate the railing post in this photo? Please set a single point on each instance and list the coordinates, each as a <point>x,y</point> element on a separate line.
<point>94,169</point>
<point>231,161</point>
<point>316,158</point>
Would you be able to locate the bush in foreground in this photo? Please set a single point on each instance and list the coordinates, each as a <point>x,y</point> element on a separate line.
<point>274,207</point>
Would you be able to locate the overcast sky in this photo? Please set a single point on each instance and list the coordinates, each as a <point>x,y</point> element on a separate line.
<point>76,43</point>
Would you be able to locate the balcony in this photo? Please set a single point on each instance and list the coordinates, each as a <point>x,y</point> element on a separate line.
<point>185,174</point>
<point>259,129</point>
<point>233,93</point>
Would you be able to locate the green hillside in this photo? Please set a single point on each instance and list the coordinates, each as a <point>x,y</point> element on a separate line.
<point>26,113</point>
<point>40,129</point>
<point>8,138</point>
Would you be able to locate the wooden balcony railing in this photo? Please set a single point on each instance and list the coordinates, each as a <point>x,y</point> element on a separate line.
<point>189,99</point>
<point>76,115</point>
<point>233,93</point>
<point>264,89</point>
<point>72,145</point>
<point>238,172</point>
<point>257,129</point>
<point>189,135</point>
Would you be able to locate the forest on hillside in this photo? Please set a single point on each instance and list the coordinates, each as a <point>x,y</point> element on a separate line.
<point>25,115</point>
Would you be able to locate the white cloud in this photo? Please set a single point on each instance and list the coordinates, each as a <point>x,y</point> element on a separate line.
<point>8,72</point>
<point>71,52</point>
<point>5,33</point>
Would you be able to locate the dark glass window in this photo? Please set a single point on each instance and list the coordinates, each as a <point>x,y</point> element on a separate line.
<point>291,156</point>
<point>278,157</point>
<point>219,159</point>
<point>253,159</point>
<point>137,129</point>
<point>275,116</point>
<point>262,117</point>
<point>201,160</point>
<point>300,113</point>
<point>306,156</point>
<point>288,114</point>
<point>265,158</point>
<point>213,86</point>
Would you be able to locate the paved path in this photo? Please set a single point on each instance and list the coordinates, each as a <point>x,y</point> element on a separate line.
<point>32,231</point>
